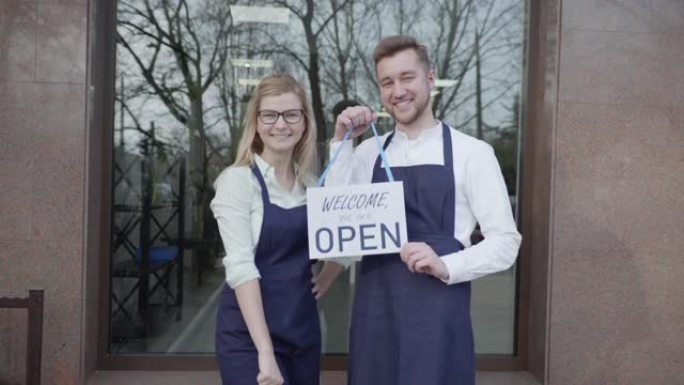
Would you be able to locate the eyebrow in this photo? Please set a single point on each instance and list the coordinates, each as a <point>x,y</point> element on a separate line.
<point>282,109</point>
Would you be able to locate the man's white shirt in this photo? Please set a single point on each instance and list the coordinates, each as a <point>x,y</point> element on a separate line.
<point>481,194</point>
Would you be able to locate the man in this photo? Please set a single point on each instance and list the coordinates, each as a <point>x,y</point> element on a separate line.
<point>411,315</point>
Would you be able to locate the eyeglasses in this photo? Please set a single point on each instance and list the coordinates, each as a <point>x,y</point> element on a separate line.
<point>290,116</point>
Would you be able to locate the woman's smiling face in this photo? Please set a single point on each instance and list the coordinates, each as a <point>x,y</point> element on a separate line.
<point>282,135</point>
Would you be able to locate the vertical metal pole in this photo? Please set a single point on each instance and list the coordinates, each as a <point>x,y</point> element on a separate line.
<point>146,187</point>
<point>121,113</point>
<point>181,233</point>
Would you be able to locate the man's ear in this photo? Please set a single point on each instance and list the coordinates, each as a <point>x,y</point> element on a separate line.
<point>431,78</point>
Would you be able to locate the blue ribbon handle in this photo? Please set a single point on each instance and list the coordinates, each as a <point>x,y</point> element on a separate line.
<point>383,156</point>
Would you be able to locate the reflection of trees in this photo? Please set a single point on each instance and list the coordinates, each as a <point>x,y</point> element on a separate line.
<point>176,54</point>
<point>505,144</point>
<point>315,17</point>
<point>339,42</point>
<point>179,49</point>
<point>230,104</point>
<point>477,39</point>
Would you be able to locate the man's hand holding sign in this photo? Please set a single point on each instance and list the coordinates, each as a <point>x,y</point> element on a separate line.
<point>353,220</point>
<point>420,258</point>
<point>347,221</point>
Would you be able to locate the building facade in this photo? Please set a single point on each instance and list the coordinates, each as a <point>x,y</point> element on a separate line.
<point>598,291</point>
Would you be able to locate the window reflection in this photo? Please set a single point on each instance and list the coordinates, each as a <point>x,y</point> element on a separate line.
<point>185,70</point>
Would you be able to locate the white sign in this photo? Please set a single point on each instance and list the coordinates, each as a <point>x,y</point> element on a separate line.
<point>355,220</point>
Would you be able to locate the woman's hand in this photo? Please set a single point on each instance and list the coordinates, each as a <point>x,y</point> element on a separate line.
<point>269,372</point>
<point>323,280</point>
<point>248,296</point>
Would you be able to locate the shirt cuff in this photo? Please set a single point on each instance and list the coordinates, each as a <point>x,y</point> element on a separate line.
<point>456,266</point>
<point>345,262</point>
<point>239,273</point>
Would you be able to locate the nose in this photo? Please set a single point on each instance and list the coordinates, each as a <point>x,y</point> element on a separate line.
<point>280,122</point>
<point>398,91</point>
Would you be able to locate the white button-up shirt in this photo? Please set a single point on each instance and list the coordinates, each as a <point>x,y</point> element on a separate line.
<point>481,195</point>
<point>239,211</point>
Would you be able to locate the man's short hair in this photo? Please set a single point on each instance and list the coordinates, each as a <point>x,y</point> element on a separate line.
<point>391,45</point>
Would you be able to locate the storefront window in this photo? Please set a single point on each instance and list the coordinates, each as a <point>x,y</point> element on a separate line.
<point>184,72</point>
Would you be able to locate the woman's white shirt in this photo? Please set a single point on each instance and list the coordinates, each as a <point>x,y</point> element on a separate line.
<point>239,210</point>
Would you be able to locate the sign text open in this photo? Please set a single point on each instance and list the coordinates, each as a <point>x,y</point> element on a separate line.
<point>356,220</point>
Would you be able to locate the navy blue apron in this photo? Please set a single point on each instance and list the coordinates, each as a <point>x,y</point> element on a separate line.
<point>282,257</point>
<point>411,328</point>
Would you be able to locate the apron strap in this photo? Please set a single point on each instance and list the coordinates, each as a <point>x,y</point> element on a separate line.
<point>384,147</point>
<point>446,147</point>
<point>388,140</point>
<point>446,144</point>
<point>390,177</point>
<point>262,183</point>
<point>449,165</point>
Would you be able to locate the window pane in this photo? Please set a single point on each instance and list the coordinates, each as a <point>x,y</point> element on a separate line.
<point>185,71</point>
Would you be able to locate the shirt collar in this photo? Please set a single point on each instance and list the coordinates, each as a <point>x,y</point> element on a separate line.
<point>268,173</point>
<point>263,165</point>
<point>427,133</point>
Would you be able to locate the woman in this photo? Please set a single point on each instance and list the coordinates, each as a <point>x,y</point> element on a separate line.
<point>267,328</point>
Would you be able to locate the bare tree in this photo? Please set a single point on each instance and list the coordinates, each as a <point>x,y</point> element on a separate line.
<point>452,56</point>
<point>467,38</point>
<point>482,38</point>
<point>346,51</point>
<point>340,42</point>
<point>314,17</point>
<point>179,49</point>
<point>233,95</point>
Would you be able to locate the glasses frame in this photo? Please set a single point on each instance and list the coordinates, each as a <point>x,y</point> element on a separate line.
<point>282,113</point>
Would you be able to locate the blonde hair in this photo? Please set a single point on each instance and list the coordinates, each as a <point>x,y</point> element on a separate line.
<point>304,154</point>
